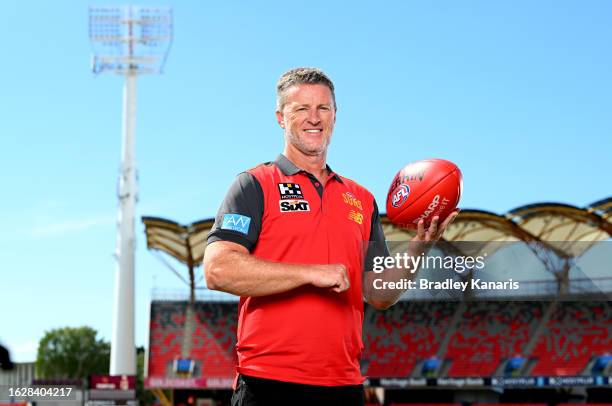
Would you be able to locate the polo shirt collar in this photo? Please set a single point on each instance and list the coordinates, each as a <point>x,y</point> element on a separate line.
<point>288,168</point>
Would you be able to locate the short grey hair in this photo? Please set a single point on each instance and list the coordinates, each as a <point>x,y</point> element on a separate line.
<point>301,76</point>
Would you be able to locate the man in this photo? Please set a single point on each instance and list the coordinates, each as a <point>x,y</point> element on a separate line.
<point>289,240</point>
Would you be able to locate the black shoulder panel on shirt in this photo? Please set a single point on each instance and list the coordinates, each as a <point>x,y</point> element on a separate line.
<point>377,245</point>
<point>239,217</point>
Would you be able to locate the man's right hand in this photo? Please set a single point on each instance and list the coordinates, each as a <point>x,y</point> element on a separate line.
<point>229,267</point>
<point>332,276</point>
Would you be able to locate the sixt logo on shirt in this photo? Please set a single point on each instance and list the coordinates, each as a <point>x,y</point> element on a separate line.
<point>236,222</point>
<point>290,191</point>
<point>293,205</point>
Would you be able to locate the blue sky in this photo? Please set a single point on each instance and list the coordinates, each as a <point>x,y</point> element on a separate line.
<point>518,94</point>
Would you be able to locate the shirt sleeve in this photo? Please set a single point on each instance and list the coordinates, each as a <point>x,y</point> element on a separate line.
<point>377,246</point>
<point>239,217</point>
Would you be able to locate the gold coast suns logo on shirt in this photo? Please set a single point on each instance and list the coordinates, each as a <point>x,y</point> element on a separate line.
<point>292,198</point>
<point>352,201</point>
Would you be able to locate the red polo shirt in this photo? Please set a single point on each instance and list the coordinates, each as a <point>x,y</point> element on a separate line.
<point>280,213</point>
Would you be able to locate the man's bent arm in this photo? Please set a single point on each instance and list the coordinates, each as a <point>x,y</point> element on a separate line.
<point>384,298</point>
<point>229,267</point>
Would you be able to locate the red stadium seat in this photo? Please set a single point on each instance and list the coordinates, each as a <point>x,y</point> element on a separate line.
<point>214,338</point>
<point>397,339</point>
<point>575,332</point>
<point>489,332</point>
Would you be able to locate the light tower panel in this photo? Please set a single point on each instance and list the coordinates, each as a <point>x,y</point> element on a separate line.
<point>127,41</point>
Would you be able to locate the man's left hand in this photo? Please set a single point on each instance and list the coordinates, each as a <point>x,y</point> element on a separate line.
<point>423,240</point>
<point>433,232</point>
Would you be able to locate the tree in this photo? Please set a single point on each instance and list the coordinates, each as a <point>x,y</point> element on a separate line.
<point>72,353</point>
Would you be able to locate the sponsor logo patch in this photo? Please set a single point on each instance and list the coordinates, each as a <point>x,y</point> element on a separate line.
<point>290,191</point>
<point>400,196</point>
<point>236,222</point>
<point>356,217</point>
<point>292,205</point>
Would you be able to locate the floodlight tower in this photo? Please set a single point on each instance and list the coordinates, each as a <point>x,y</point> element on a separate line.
<point>127,41</point>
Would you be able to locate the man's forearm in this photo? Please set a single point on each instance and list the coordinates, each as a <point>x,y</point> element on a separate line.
<point>245,275</point>
<point>375,290</point>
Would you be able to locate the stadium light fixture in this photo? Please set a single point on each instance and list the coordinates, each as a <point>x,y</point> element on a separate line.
<point>128,41</point>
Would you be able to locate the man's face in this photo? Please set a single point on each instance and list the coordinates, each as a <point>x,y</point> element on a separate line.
<point>308,118</point>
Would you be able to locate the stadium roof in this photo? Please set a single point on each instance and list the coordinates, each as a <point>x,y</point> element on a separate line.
<point>485,227</point>
<point>568,227</point>
<point>602,207</point>
<point>185,243</point>
<point>561,227</point>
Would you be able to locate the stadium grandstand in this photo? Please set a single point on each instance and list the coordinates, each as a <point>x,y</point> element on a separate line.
<point>547,344</point>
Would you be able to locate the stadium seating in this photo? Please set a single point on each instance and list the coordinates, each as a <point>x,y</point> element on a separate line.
<point>213,342</point>
<point>575,332</point>
<point>397,339</point>
<point>490,332</point>
<point>166,335</point>
<point>215,338</point>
